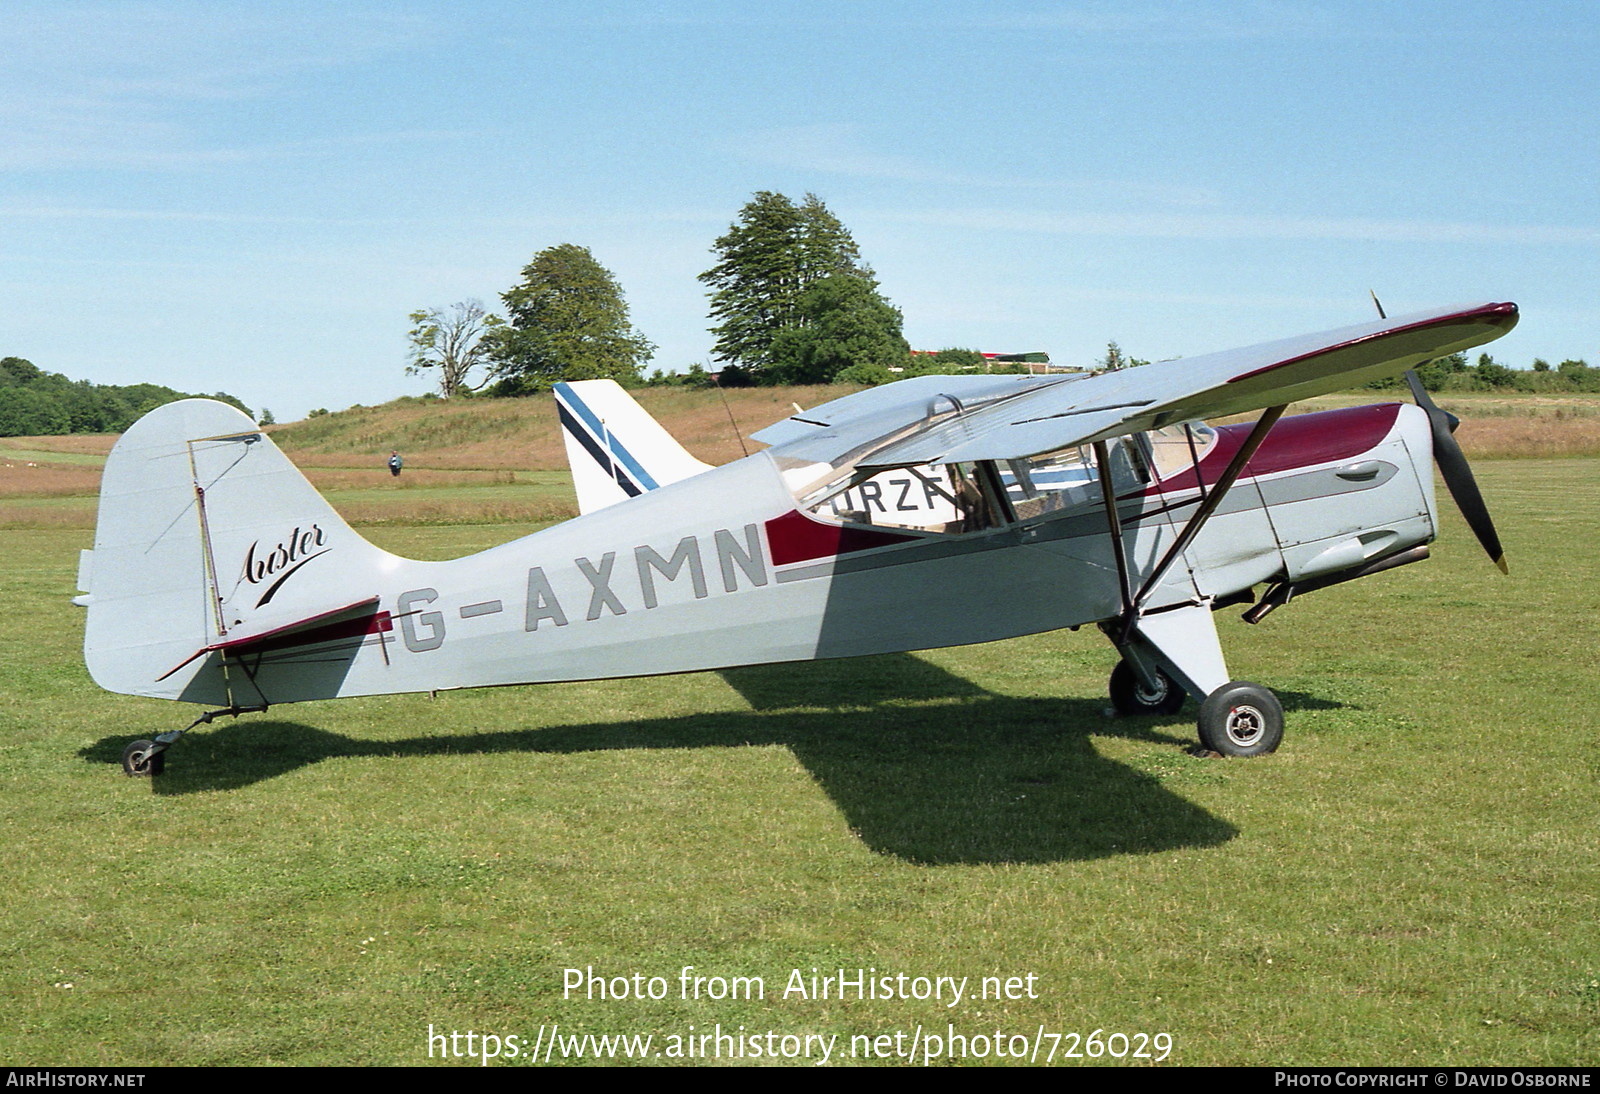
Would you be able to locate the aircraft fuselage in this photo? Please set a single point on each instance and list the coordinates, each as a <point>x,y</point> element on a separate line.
<point>725,569</point>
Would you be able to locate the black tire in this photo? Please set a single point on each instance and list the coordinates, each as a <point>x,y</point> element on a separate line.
<point>1241,719</point>
<point>142,759</point>
<point>1131,697</point>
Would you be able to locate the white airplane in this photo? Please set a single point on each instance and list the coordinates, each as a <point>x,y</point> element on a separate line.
<point>935,511</point>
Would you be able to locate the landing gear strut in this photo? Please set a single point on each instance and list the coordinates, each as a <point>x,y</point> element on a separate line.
<point>146,758</point>
<point>1130,696</point>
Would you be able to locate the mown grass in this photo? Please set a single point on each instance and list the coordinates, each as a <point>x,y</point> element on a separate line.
<point>1412,879</point>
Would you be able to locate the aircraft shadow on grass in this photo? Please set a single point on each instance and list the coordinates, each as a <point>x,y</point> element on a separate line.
<point>924,766</point>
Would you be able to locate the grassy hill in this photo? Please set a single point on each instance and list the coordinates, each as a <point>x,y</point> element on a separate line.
<point>523,434</point>
<point>501,460</point>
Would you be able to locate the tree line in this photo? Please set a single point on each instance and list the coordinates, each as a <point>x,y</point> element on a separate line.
<point>791,302</point>
<point>35,403</point>
<point>790,297</point>
<point>1454,373</point>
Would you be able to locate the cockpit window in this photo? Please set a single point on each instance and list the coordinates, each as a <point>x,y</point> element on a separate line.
<point>1051,481</point>
<point>938,498</point>
<point>933,498</point>
<point>1069,478</point>
<point>1177,448</point>
<point>969,497</point>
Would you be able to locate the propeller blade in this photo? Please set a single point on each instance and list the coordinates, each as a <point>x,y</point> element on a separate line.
<point>1457,474</point>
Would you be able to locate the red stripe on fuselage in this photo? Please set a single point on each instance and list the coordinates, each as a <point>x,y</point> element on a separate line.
<point>1304,440</point>
<point>795,537</point>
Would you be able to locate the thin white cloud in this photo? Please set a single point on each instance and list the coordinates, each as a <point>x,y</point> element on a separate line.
<point>154,146</point>
<point>1241,227</point>
<point>1150,19</point>
<point>81,212</point>
<point>556,221</point>
<point>840,150</point>
<point>837,149</point>
<point>1166,21</point>
<point>118,85</point>
<point>191,51</point>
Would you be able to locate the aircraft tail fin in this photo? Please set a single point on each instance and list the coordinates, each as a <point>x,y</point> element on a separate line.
<point>615,448</point>
<point>210,543</point>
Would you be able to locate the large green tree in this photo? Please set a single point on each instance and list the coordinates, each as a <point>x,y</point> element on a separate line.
<point>849,329</point>
<point>568,321</point>
<point>767,263</point>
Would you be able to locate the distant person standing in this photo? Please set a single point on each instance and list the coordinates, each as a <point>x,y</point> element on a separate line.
<point>395,463</point>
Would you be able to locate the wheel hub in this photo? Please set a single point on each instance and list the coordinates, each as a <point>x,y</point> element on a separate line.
<point>1151,696</point>
<point>1244,725</point>
<point>142,759</point>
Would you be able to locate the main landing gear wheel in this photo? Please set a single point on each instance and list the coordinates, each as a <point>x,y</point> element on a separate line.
<point>142,759</point>
<point>1241,719</point>
<point>1129,696</point>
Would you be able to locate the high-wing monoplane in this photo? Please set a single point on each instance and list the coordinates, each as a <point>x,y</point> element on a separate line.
<point>934,511</point>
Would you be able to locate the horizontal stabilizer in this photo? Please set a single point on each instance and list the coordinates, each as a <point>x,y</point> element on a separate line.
<point>352,620</point>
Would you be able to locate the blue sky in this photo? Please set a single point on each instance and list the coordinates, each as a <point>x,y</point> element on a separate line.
<point>252,197</point>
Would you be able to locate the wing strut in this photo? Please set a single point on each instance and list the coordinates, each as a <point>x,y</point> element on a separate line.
<point>1208,506</point>
<point>1102,456</point>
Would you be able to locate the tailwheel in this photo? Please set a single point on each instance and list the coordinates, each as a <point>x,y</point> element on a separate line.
<point>1130,696</point>
<point>143,759</point>
<point>1241,719</point>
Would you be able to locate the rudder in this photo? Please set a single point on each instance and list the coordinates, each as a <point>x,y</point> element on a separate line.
<point>615,449</point>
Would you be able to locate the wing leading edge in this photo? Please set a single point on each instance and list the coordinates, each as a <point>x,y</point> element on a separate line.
<point>1025,416</point>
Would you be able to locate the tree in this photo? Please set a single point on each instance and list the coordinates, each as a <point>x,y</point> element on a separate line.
<point>451,340</point>
<point>28,413</point>
<point>18,371</point>
<point>947,362</point>
<point>33,401</point>
<point>848,326</point>
<point>1491,373</point>
<point>826,247</point>
<point>767,261</point>
<point>1433,374</point>
<point>1115,359</point>
<point>756,280</point>
<point>568,322</point>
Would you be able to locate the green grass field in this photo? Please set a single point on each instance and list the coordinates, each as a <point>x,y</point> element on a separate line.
<point>1413,878</point>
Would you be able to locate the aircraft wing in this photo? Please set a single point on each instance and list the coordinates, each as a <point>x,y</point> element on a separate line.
<point>825,432</point>
<point>1053,413</point>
